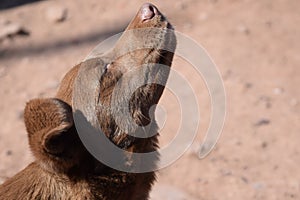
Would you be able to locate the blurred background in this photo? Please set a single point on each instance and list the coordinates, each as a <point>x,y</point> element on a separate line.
<point>255,45</point>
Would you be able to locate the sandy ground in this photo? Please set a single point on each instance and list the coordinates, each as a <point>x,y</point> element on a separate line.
<point>255,45</point>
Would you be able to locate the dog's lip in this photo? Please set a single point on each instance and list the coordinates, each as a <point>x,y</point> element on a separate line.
<point>169,26</point>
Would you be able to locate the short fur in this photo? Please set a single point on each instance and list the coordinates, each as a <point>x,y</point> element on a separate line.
<point>63,168</point>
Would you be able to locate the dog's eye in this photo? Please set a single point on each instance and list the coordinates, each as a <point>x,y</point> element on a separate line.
<point>106,67</point>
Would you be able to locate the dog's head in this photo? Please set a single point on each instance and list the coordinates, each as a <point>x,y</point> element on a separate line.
<point>115,90</point>
<point>124,83</point>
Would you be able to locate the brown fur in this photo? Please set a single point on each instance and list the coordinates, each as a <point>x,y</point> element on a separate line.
<point>64,169</point>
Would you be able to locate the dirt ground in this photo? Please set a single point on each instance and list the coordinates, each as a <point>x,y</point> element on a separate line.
<point>255,45</point>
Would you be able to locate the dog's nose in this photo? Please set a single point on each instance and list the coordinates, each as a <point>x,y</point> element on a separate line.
<point>148,11</point>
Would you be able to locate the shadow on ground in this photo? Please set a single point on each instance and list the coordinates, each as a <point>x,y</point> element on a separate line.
<point>59,45</point>
<point>6,4</point>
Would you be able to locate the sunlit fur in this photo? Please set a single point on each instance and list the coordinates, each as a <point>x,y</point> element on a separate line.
<point>63,169</point>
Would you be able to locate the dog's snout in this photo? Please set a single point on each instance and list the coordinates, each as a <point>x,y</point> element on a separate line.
<point>148,11</point>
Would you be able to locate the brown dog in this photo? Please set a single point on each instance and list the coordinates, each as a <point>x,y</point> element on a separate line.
<point>64,169</point>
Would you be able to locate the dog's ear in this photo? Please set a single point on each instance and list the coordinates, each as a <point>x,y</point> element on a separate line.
<point>48,122</point>
<point>55,141</point>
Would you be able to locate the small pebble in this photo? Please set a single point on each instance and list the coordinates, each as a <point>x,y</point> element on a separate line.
<point>248,85</point>
<point>243,29</point>
<point>199,180</point>
<point>264,145</point>
<point>56,14</point>
<point>10,30</point>
<point>291,195</point>
<point>244,179</point>
<point>262,122</point>
<point>238,143</point>
<point>8,152</point>
<point>278,91</point>
<point>225,172</point>
<point>269,24</point>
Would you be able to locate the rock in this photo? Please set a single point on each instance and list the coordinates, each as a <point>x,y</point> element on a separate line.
<point>243,29</point>
<point>56,14</point>
<point>244,179</point>
<point>248,85</point>
<point>269,24</point>
<point>264,145</point>
<point>262,122</point>
<point>278,91</point>
<point>9,152</point>
<point>10,30</point>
